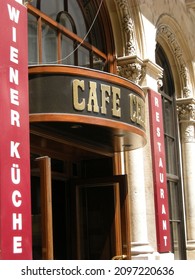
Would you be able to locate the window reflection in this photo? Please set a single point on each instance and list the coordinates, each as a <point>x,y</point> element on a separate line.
<point>84,57</point>
<point>98,63</point>
<point>67,21</point>
<point>75,11</point>
<point>49,44</point>
<point>33,3</point>
<point>67,51</point>
<point>53,8</point>
<point>168,117</point>
<point>32,42</point>
<point>52,34</point>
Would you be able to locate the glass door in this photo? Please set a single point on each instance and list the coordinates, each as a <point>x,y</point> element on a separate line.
<point>79,218</point>
<point>102,218</point>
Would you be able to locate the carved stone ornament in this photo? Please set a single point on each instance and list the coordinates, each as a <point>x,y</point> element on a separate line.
<point>128,27</point>
<point>186,115</point>
<point>188,135</point>
<point>170,37</point>
<point>132,71</point>
<point>186,111</point>
<point>160,83</point>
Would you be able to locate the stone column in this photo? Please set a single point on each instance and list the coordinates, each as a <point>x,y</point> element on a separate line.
<point>139,236</point>
<point>186,112</point>
<point>145,73</point>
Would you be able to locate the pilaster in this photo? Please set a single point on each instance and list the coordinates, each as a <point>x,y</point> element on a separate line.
<point>140,247</point>
<point>147,74</point>
<point>186,114</point>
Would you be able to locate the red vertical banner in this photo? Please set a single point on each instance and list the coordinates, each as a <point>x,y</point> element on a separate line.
<point>159,172</point>
<point>15,203</point>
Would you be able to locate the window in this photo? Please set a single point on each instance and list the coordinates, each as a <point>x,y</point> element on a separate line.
<point>172,156</point>
<point>70,32</point>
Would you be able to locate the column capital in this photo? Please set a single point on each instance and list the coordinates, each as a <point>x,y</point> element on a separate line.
<point>131,68</point>
<point>186,110</point>
<point>142,72</point>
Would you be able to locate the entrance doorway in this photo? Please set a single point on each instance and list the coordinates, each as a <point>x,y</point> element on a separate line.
<point>95,218</point>
<point>78,217</point>
<point>102,215</point>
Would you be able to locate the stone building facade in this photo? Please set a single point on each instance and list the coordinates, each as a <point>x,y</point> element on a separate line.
<point>146,25</point>
<point>154,47</point>
<point>112,128</point>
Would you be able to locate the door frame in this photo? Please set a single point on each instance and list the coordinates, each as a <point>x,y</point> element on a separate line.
<point>121,216</point>
<point>46,207</point>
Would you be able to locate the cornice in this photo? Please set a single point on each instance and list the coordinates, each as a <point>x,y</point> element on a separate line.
<point>137,70</point>
<point>131,68</point>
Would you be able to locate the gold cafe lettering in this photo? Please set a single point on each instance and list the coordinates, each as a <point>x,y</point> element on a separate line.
<point>137,110</point>
<point>85,97</point>
<point>88,96</point>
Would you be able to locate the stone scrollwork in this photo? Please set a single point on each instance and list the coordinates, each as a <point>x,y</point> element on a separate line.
<point>129,30</point>
<point>186,115</point>
<point>128,27</point>
<point>166,32</point>
<point>186,112</point>
<point>132,71</point>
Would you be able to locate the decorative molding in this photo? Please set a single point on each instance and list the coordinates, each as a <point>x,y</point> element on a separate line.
<point>186,110</point>
<point>131,68</point>
<point>189,136</point>
<point>140,248</point>
<point>190,4</point>
<point>131,71</point>
<point>128,27</point>
<point>186,115</point>
<point>166,32</point>
<point>139,71</point>
<point>153,70</point>
<point>190,245</point>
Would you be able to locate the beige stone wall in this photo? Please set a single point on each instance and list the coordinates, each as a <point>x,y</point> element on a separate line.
<point>179,44</point>
<point>138,25</point>
<point>172,24</point>
<point>152,10</point>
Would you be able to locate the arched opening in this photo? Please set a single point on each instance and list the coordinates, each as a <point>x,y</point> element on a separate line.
<point>71,32</point>
<point>174,185</point>
<point>79,203</point>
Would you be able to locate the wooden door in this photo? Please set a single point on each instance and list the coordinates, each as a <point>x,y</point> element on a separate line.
<point>96,222</point>
<point>42,222</point>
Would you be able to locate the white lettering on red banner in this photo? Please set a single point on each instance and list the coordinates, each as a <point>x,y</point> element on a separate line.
<point>15,205</point>
<point>159,172</point>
